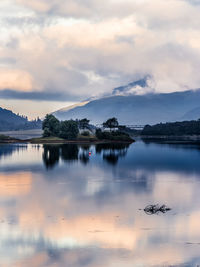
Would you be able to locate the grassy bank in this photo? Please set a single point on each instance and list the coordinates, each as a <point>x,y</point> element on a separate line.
<point>7,139</point>
<point>79,140</point>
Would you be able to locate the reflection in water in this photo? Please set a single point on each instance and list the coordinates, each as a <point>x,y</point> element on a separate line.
<point>91,214</point>
<point>71,152</point>
<point>51,155</point>
<point>112,152</point>
<point>7,150</point>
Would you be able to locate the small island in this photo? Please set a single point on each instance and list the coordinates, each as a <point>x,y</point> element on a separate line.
<point>76,132</point>
<point>80,131</point>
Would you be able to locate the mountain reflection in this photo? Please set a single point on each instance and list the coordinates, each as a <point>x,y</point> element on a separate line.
<point>70,152</point>
<point>8,150</point>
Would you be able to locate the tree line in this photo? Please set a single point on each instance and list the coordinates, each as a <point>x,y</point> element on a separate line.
<point>68,129</point>
<point>173,128</point>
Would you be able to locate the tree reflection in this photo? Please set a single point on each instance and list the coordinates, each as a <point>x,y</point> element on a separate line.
<point>84,154</point>
<point>112,152</point>
<point>69,152</point>
<point>111,158</point>
<point>72,152</point>
<point>51,155</point>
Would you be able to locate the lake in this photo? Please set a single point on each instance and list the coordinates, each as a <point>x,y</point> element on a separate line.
<point>69,205</point>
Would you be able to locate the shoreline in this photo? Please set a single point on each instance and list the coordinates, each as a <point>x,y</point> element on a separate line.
<point>57,142</point>
<point>78,142</point>
<point>195,139</point>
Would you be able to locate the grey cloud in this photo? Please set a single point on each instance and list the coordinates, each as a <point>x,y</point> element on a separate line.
<point>193,2</point>
<point>125,39</point>
<point>87,9</point>
<point>13,43</point>
<point>65,78</point>
<point>7,60</point>
<point>101,9</point>
<point>27,21</point>
<point>39,96</point>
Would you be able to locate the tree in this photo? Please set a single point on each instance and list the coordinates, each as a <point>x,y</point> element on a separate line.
<point>111,123</point>
<point>69,129</point>
<point>84,123</point>
<point>50,126</point>
<point>46,132</point>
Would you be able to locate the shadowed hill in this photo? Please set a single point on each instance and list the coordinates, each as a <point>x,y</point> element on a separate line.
<point>10,121</point>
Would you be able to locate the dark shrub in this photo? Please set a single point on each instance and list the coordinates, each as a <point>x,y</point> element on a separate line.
<point>69,129</point>
<point>51,126</point>
<point>85,133</point>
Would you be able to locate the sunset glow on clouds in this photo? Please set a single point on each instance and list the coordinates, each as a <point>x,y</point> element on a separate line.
<point>68,51</point>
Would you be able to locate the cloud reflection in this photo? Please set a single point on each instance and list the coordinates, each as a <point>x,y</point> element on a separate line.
<point>87,214</point>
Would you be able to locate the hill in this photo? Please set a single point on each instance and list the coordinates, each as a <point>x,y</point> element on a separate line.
<point>10,121</point>
<point>193,114</point>
<point>137,109</point>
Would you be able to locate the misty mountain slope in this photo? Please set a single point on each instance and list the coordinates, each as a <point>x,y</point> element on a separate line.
<point>137,109</point>
<point>9,120</point>
<point>10,117</point>
<point>193,114</point>
<point>131,87</point>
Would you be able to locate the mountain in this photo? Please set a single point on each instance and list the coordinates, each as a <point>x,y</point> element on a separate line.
<point>63,110</point>
<point>133,87</point>
<point>10,121</point>
<point>193,114</point>
<point>131,107</point>
<point>130,89</point>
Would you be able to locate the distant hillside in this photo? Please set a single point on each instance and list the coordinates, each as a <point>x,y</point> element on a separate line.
<point>136,109</point>
<point>10,121</point>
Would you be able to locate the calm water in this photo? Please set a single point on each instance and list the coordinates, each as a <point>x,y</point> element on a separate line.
<point>60,206</point>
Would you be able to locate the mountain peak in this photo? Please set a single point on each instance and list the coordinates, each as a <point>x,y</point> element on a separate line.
<point>134,88</point>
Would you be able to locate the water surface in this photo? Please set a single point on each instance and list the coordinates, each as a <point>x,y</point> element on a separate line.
<point>63,206</point>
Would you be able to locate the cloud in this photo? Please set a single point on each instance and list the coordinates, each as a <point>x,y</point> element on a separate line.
<point>16,79</point>
<point>171,10</point>
<point>39,96</point>
<point>7,60</point>
<point>26,21</point>
<point>85,48</point>
<point>71,8</point>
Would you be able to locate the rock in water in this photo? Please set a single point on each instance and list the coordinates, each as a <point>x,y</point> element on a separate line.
<point>154,209</point>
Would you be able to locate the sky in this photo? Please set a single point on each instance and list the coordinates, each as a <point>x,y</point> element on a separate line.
<point>54,53</point>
